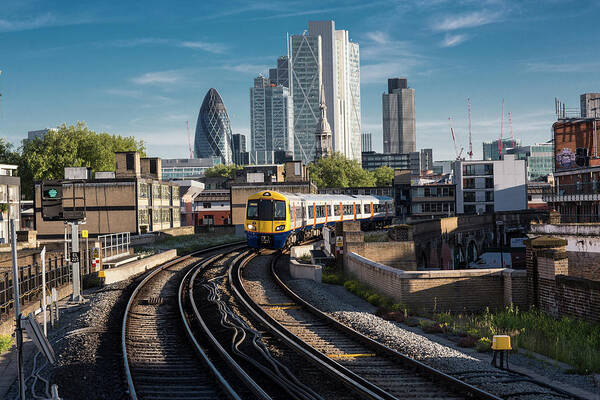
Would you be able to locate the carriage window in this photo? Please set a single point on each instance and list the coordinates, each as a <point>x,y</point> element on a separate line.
<point>298,212</point>
<point>252,210</point>
<point>348,210</point>
<point>320,211</point>
<point>367,209</point>
<point>279,213</point>
<point>336,210</point>
<point>329,214</point>
<point>311,213</point>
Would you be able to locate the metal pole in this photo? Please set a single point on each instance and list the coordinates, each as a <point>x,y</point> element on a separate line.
<point>44,303</point>
<point>75,261</point>
<point>17,301</point>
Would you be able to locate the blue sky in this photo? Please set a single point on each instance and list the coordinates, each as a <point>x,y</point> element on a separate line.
<point>143,68</point>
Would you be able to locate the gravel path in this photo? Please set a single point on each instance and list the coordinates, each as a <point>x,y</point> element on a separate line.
<point>353,311</point>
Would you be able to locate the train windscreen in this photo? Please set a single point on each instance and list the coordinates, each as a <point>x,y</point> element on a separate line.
<point>266,210</point>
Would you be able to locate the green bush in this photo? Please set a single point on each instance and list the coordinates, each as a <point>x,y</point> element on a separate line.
<point>305,258</point>
<point>332,278</point>
<point>6,342</point>
<point>484,344</point>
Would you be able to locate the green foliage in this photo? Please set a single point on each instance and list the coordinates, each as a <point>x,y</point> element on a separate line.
<point>7,154</point>
<point>484,344</point>
<point>378,300</point>
<point>338,171</point>
<point>3,208</point>
<point>384,176</point>
<point>569,340</point>
<point>222,170</point>
<point>6,342</point>
<point>70,146</point>
<point>306,258</point>
<point>376,236</point>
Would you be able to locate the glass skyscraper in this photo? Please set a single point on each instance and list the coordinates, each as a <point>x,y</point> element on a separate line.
<point>213,129</point>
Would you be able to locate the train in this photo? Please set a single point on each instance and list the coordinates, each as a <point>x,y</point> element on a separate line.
<point>277,220</point>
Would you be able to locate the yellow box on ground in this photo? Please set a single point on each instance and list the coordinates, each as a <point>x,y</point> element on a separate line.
<point>501,342</point>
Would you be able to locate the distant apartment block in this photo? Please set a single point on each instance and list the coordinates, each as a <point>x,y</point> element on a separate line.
<point>399,129</point>
<point>490,186</point>
<point>432,201</point>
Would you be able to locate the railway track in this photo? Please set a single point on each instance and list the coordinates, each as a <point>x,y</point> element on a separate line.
<point>368,370</point>
<point>159,360</point>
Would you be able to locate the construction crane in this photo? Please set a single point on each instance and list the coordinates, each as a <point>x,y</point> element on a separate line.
<point>512,136</point>
<point>458,152</point>
<point>470,153</point>
<point>501,132</point>
<point>189,139</point>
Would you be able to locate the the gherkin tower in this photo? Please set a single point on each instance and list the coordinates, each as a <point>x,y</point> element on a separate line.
<point>213,130</point>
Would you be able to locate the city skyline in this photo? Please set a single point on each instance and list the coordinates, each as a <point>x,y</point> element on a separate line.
<point>144,73</point>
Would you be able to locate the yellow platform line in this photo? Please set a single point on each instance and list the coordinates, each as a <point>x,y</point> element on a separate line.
<point>280,304</point>
<point>351,355</point>
<point>283,307</point>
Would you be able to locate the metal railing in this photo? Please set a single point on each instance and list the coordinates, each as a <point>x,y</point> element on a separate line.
<point>114,245</point>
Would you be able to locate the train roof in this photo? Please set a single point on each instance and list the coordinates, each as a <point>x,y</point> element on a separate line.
<point>316,197</point>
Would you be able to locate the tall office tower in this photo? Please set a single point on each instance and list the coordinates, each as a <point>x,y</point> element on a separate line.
<point>426,159</point>
<point>367,142</point>
<point>213,129</point>
<point>238,145</point>
<point>491,150</point>
<point>590,105</point>
<point>399,130</point>
<point>280,75</point>
<point>306,80</point>
<point>341,79</point>
<point>271,117</point>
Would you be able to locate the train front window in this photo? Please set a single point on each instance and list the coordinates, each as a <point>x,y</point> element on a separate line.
<point>265,210</point>
<point>279,210</point>
<point>252,212</point>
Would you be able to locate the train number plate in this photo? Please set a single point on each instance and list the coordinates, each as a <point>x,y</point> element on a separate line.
<point>265,239</point>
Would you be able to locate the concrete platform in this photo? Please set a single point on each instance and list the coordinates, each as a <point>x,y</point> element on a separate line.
<point>124,271</point>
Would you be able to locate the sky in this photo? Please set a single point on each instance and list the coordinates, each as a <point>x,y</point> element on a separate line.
<point>143,68</point>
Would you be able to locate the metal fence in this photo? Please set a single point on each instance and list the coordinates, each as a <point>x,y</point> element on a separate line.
<point>114,245</point>
<point>58,273</point>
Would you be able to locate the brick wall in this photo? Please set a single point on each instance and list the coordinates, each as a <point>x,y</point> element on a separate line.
<point>456,291</point>
<point>578,297</point>
<point>584,265</point>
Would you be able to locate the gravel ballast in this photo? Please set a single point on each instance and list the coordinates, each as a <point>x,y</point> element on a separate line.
<point>431,349</point>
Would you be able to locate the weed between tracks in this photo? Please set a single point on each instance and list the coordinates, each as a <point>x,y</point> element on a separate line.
<point>569,340</point>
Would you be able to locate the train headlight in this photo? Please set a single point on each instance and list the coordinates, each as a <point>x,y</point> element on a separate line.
<point>280,228</point>
<point>251,227</point>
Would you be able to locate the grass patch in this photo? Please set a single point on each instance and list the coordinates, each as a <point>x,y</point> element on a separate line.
<point>187,243</point>
<point>306,258</point>
<point>332,276</point>
<point>6,343</point>
<point>368,294</point>
<point>376,236</point>
<point>569,340</point>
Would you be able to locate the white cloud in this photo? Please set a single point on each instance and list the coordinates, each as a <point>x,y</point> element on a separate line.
<point>253,69</point>
<point>159,77</point>
<point>562,67</point>
<point>451,40</point>
<point>468,20</point>
<point>216,48</point>
<point>40,21</point>
<point>210,47</point>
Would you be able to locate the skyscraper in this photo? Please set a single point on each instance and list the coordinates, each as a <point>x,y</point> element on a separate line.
<point>271,117</point>
<point>306,80</point>
<point>399,130</point>
<point>280,75</point>
<point>491,150</point>
<point>367,142</point>
<point>213,129</point>
<point>238,146</point>
<point>326,56</point>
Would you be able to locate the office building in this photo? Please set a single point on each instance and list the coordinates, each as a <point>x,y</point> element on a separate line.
<point>540,162</point>
<point>325,56</point>
<point>280,76</point>
<point>213,129</point>
<point>398,110</point>
<point>10,198</point>
<point>426,159</point>
<point>590,105</point>
<point>41,133</point>
<point>433,200</point>
<point>187,168</point>
<point>442,167</point>
<point>412,161</point>
<point>491,150</point>
<point>238,146</point>
<point>490,186</point>
<point>271,117</point>
<point>367,142</point>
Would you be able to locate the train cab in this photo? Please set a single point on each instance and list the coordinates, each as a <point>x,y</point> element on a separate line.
<point>267,222</point>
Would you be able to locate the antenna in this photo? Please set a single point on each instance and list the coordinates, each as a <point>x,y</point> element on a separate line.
<point>501,131</point>
<point>470,139</point>
<point>189,139</point>
<point>512,136</point>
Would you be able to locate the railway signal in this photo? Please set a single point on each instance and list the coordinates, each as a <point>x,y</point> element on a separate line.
<point>52,198</point>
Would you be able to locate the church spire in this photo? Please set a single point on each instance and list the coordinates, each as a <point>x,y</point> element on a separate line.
<point>323,131</point>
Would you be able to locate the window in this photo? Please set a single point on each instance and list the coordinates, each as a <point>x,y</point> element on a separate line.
<point>489,169</point>
<point>489,208</point>
<point>252,209</point>
<point>489,196</point>
<point>469,169</point>
<point>469,183</point>
<point>469,197</point>
<point>348,209</point>
<point>205,205</point>
<point>299,214</point>
<point>427,192</point>
<point>311,212</point>
<point>265,210</point>
<point>320,211</point>
<point>336,210</point>
<point>489,183</point>
<point>470,209</point>
<point>279,213</point>
<point>143,190</point>
<point>367,209</point>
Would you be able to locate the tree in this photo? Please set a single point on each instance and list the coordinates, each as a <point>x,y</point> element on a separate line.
<point>46,157</point>
<point>222,170</point>
<point>338,171</point>
<point>384,176</point>
<point>7,154</point>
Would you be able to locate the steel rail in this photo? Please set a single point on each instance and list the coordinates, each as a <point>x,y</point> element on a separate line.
<point>350,379</point>
<point>377,346</point>
<point>130,384</point>
<point>250,383</point>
